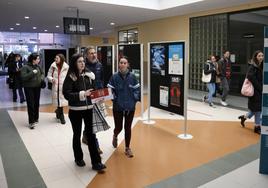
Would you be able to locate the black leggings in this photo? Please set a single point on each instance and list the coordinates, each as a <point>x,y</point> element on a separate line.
<point>118,121</point>
<point>76,118</point>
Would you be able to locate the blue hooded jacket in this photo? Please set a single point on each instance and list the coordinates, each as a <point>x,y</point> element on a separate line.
<point>126,91</point>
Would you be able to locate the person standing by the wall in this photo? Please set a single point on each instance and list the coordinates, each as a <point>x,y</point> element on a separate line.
<point>32,75</point>
<point>255,76</point>
<point>56,75</point>
<point>14,69</point>
<point>225,74</point>
<point>126,90</point>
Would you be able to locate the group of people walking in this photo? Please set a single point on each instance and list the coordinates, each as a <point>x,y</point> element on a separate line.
<point>220,73</point>
<point>72,85</point>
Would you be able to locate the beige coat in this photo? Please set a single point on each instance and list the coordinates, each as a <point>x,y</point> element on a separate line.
<point>57,85</point>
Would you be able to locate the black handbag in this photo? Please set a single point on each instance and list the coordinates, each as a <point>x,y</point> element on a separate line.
<point>43,84</point>
<point>49,85</point>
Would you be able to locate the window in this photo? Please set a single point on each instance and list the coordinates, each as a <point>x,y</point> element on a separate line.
<point>128,36</point>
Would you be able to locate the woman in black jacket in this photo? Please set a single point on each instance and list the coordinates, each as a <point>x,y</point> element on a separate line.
<point>255,76</point>
<point>77,88</point>
<point>32,76</point>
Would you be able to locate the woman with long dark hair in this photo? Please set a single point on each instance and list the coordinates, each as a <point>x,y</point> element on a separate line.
<point>255,76</point>
<point>32,75</point>
<point>77,88</point>
<point>126,90</point>
<point>56,75</point>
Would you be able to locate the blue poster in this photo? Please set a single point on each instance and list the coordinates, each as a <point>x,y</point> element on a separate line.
<point>158,60</point>
<point>175,59</point>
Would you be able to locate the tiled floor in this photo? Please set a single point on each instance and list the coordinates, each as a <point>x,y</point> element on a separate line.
<point>244,177</point>
<point>49,146</point>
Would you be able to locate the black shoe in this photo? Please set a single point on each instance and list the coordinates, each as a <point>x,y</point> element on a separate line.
<point>84,139</point>
<point>257,129</point>
<point>243,119</point>
<point>100,151</point>
<point>80,163</point>
<point>99,167</point>
<point>22,101</point>
<point>62,120</point>
<point>57,113</point>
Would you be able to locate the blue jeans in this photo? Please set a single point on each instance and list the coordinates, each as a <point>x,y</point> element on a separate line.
<point>257,116</point>
<point>211,91</point>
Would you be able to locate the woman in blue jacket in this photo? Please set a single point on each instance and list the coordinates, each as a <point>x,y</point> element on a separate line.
<point>126,90</point>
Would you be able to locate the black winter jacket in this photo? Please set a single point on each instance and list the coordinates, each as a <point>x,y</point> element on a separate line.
<point>74,89</point>
<point>255,76</point>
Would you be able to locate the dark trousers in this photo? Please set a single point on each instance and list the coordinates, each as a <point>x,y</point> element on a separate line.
<point>118,121</point>
<point>76,118</point>
<point>32,98</point>
<point>21,94</point>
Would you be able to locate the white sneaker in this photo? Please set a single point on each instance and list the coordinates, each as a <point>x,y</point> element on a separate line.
<point>204,98</point>
<point>223,103</point>
<point>212,105</point>
<point>31,125</point>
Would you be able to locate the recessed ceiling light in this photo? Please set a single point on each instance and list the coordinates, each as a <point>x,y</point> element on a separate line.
<point>45,30</point>
<point>91,28</point>
<point>34,27</point>
<point>26,17</point>
<point>17,23</point>
<point>11,28</point>
<point>57,26</point>
<point>112,23</point>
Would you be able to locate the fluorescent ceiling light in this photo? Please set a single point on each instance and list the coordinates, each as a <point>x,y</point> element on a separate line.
<point>18,24</point>
<point>149,4</point>
<point>57,26</point>
<point>26,17</point>
<point>45,30</point>
<point>34,27</point>
<point>91,28</point>
<point>112,23</point>
<point>11,28</point>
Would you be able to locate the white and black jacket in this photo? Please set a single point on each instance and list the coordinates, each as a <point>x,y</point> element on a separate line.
<point>74,89</point>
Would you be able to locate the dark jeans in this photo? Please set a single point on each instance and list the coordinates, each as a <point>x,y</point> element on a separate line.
<point>118,121</point>
<point>21,94</point>
<point>76,118</point>
<point>32,98</point>
<point>95,137</point>
<point>225,87</point>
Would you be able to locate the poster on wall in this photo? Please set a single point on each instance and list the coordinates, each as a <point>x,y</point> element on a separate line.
<point>163,100</point>
<point>175,91</point>
<point>136,72</point>
<point>175,59</point>
<point>158,59</point>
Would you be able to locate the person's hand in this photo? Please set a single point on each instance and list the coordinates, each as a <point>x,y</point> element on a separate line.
<point>34,71</point>
<point>88,92</point>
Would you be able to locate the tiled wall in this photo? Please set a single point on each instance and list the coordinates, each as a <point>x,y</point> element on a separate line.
<point>264,134</point>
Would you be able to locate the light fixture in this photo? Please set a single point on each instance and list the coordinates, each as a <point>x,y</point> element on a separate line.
<point>57,26</point>
<point>26,17</point>
<point>18,24</point>
<point>11,28</point>
<point>45,30</point>
<point>34,27</point>
<point>112,23</point>
<point>91,28</point>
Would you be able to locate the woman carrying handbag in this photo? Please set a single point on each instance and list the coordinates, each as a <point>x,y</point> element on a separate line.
<point>255,76</point>
<point>210,69</point>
